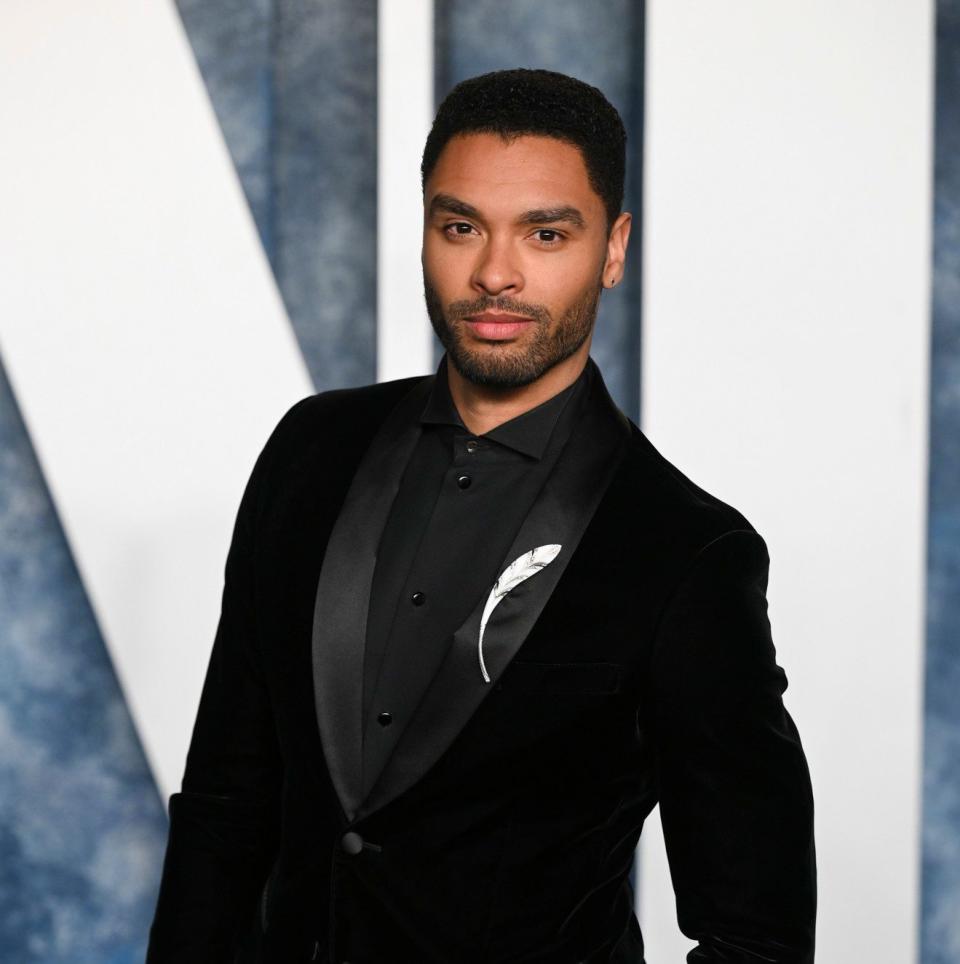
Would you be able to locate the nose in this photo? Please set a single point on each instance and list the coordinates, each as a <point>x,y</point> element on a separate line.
<point>496,271</point>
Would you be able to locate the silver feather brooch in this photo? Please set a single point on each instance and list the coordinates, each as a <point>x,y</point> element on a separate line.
<point>523,567</point>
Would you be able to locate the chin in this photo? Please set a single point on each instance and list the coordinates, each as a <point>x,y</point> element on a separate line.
<point>499,368</point>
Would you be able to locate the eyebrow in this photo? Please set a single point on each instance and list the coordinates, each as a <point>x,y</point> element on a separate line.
<point>453,205</point>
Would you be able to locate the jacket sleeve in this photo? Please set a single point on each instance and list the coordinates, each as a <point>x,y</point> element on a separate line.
<point>735,797</point>
<point>224,822</point>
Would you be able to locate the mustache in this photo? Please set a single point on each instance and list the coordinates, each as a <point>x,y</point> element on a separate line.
<point>459,310</point>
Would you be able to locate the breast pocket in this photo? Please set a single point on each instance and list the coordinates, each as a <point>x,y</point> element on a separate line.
<point>557,679</point>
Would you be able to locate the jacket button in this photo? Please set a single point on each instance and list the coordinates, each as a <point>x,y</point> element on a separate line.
<point>418,599</point>
<point>351,843</point>
<point>464,481</point>
<point>384,719</point>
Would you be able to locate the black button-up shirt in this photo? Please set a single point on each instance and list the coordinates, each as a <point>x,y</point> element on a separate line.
<point>460,504</point>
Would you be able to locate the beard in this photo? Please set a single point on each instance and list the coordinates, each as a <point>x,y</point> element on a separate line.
<point>503,364</point>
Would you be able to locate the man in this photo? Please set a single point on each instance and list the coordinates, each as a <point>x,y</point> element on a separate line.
<point>475,626</point>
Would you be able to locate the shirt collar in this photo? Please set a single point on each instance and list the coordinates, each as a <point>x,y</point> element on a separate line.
<point>527,433</point>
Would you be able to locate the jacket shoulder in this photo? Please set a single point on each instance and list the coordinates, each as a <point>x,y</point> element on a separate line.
<point>668,494</point>
<point>361,404</point>
<point>340,422</point>
<point>353,413</point>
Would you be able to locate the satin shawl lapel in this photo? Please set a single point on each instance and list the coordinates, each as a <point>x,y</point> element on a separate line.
<point>560,514</point>
<point>343,593</point>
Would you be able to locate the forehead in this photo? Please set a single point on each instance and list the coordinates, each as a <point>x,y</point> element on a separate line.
<point>492,173</point>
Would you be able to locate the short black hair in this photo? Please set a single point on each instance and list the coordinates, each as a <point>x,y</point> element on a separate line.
<point>521,101</point>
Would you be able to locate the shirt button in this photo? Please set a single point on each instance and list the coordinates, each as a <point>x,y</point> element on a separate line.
<point>384,719</point>
<point>418,599</point>
<point>464,481</point>
<point>472,445</point>
<point>351,843</point>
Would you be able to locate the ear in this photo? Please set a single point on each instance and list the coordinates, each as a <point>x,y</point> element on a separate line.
<point>617,249</point>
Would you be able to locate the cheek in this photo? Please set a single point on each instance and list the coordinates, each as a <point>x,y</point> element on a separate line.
<point>563,281</point>
<point>446,266</point>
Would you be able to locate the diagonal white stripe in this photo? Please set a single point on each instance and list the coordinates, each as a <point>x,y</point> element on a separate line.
<point>140,325</point>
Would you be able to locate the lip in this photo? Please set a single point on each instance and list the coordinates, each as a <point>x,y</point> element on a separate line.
<point>497,326</point>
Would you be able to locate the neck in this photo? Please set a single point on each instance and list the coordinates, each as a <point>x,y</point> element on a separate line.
<point>483,408</point>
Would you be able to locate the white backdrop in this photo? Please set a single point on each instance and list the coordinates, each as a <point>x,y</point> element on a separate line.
<point>785,334</point>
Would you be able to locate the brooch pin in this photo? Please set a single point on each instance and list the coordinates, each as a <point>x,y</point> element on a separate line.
<point>523,567</point>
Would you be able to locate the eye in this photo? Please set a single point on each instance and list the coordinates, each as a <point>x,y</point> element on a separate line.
<point>458,229</point>
<point>548,237</point>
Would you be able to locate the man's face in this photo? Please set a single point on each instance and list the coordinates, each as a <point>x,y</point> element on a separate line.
<point>514,246</point>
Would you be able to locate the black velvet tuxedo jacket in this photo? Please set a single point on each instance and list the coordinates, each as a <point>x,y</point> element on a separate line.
<point>636,668</point>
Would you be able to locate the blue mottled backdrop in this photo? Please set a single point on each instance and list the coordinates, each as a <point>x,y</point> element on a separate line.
<point>82,828</point>
<point>940,937</point>
<point>294,85</point>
